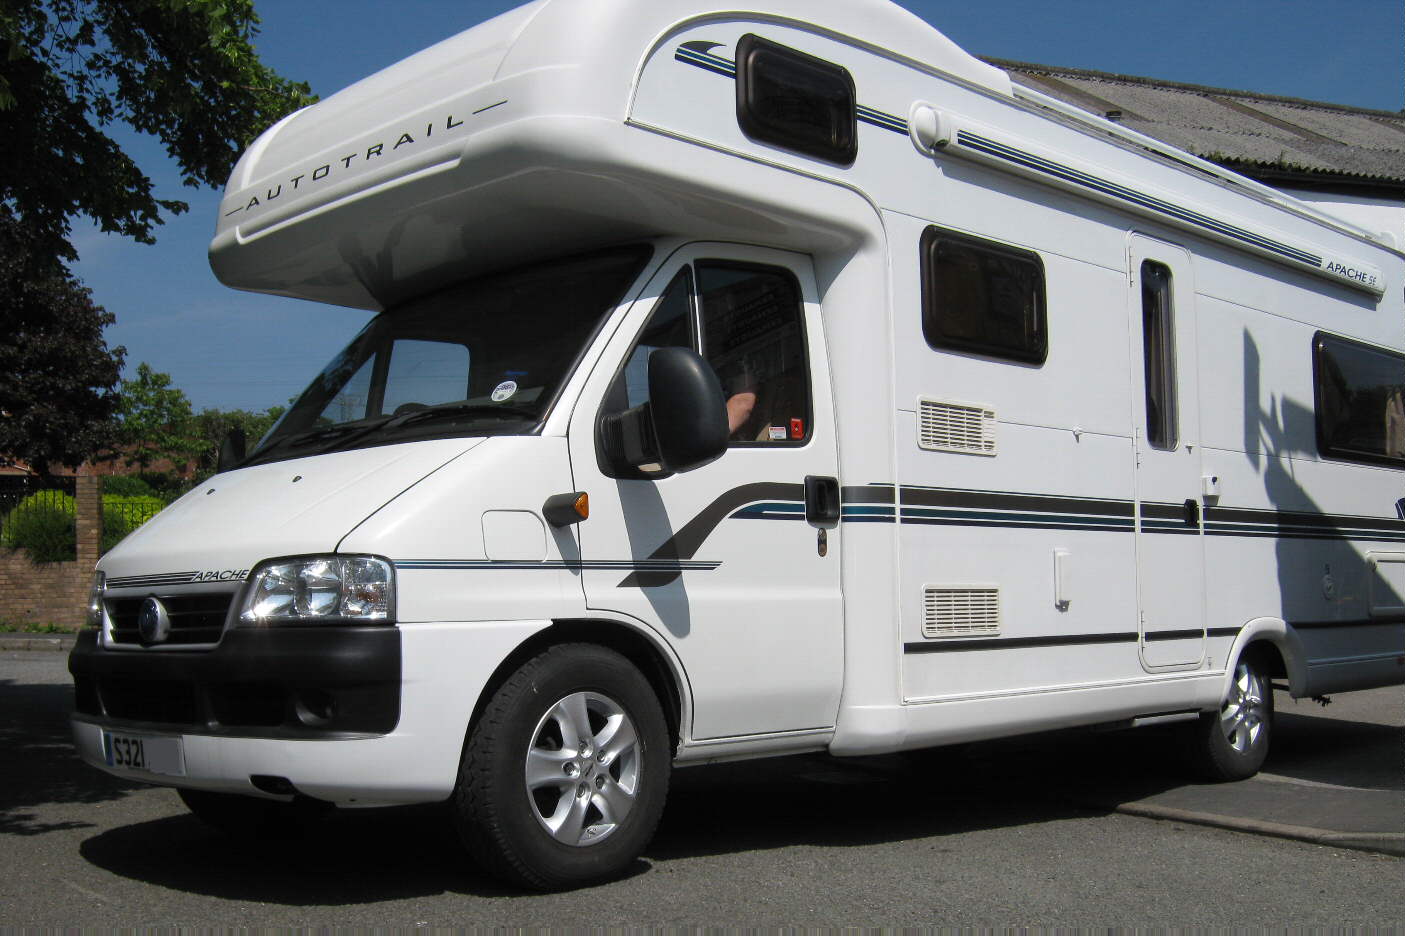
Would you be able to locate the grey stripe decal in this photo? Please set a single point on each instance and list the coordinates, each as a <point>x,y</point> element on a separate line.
<point>1015,510</point>
<point>574,565</point>
<point>1093,183</point>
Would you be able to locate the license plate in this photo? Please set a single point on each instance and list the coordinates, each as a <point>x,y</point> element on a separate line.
<point>145,753</point>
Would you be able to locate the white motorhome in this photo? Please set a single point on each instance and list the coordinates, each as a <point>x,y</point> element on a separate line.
<point>751,383</point>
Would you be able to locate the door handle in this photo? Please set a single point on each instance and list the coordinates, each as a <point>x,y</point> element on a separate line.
<point>1192,513</point>
<point>821,500</point>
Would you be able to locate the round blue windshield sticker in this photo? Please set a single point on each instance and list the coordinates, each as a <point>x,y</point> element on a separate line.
<point>504,391</point>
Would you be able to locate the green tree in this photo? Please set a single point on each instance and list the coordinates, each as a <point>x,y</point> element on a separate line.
<point>184,71</point>
<point>156,422</point>
<point>58,378</point>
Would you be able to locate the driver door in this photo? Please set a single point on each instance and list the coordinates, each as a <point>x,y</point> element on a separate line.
<point>723,561</point>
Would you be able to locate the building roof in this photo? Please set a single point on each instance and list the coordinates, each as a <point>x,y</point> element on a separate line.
<point>1278,140</point>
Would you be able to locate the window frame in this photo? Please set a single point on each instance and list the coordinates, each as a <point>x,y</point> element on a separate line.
<point>752,51</point>
<point>1325,449</point>
<point>1162,434</point>
<point>931,240</point>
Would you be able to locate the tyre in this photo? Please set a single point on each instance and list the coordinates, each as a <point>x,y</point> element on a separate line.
<point>564,776</point>
<point>251,817</point>
<point>1231,744</point>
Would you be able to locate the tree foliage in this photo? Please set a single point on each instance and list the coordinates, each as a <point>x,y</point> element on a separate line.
<point>58,378</point>
<point>156,422</point>
<point>184,71</point>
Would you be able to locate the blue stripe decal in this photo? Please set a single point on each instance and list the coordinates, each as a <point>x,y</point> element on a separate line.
<point>880,119</point>
<point>770,511</point>
<point>712,63</point>
<point>1068,174</point>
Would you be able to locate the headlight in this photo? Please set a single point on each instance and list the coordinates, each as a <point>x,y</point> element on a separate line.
<point>320,590</point>
<point>95,599</point>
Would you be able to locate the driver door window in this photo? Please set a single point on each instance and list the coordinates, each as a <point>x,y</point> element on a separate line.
<point>746,321</point>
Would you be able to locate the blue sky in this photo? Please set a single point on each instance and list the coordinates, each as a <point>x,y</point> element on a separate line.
<point>229,349</point>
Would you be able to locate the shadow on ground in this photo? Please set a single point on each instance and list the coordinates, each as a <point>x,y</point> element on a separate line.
<point>41,767</point>
<point>391,854</point>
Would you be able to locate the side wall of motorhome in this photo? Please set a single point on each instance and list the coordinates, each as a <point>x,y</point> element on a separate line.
<point>1068,519</point>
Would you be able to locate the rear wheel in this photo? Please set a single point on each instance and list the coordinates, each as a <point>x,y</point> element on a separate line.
<point>564,776</point>
<point>1231,744</point>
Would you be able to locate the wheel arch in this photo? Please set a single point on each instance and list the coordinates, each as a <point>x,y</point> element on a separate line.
<point>1276,645</point>
<point>643,649</point>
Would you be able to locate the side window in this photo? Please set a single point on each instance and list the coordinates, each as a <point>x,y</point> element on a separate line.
<point>1159,356</point>
<point>983,297</point>
<point>425,373</point>
<point>1360,401</point>
<point>671,325</point>
<point>796,101</point>
<point>352,402</point>
<point>754,338</point>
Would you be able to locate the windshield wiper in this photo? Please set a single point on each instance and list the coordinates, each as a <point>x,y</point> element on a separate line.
<point>314,436</point>
<point>447,410</point>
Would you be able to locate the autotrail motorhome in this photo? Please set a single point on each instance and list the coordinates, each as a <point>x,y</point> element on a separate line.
<point>750,383</point>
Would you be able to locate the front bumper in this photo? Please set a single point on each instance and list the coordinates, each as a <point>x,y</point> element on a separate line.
<point>402,699</point>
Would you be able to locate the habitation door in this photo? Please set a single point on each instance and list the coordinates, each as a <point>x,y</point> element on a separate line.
<point>1165,420</point>
<point>729,562</point>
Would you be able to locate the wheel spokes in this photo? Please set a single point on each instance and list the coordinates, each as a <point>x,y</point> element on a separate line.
<point>613,801</point>
<point>548,768</point>
<point>583,781</point>
<point>615,739</point>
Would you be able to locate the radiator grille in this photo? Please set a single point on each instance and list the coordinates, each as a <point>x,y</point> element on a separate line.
<point>195,619</point>
<point>961,611</point>
<point>955,427</point>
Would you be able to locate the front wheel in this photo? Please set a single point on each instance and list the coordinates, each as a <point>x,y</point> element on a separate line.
<point>1231,744</point>
<point>563,778</point>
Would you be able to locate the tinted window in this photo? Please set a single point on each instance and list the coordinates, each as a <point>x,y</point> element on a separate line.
<point>1360,401</point>
<point>670,326</point>
<point>796,101</point>
<point>754,340</point>
<point>983,297</point>
<point>486,357</point>
<point>751,334</point>
<point>1159,356</point>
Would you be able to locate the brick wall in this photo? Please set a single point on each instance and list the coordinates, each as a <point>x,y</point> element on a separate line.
<point>55,592</point>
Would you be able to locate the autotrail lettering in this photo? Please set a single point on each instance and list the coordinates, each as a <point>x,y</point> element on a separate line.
<point>325,170</point>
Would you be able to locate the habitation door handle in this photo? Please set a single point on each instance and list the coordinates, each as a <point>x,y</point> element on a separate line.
<point>1192,513</point>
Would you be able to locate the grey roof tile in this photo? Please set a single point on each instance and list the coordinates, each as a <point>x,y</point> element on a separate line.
<point>1249,131</point>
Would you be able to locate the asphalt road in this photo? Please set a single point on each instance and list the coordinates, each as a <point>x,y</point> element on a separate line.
<point>996,837</point>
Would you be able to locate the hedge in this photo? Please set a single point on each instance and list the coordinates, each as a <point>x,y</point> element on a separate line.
<point>44,523</point>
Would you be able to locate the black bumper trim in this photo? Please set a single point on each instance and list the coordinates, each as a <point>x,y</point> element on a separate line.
<point>329,682</point>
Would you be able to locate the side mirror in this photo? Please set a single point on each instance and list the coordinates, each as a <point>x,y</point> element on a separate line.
<point>684,424</point>
<point>232,450</point>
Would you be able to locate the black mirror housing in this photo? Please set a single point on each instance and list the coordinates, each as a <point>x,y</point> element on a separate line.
<point>682,427</point>
<point>689,412</point>
<point>232,450</point>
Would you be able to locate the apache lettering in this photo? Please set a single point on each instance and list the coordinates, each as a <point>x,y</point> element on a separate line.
<point>220,575</point>
<point>326,170</point>
<point>1361,276</point>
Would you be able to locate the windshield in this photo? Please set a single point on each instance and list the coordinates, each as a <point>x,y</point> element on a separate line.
<point>486,357</point>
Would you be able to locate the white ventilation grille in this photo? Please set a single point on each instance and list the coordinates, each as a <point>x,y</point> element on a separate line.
<point>961,611</point>
<point>955,427</point>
